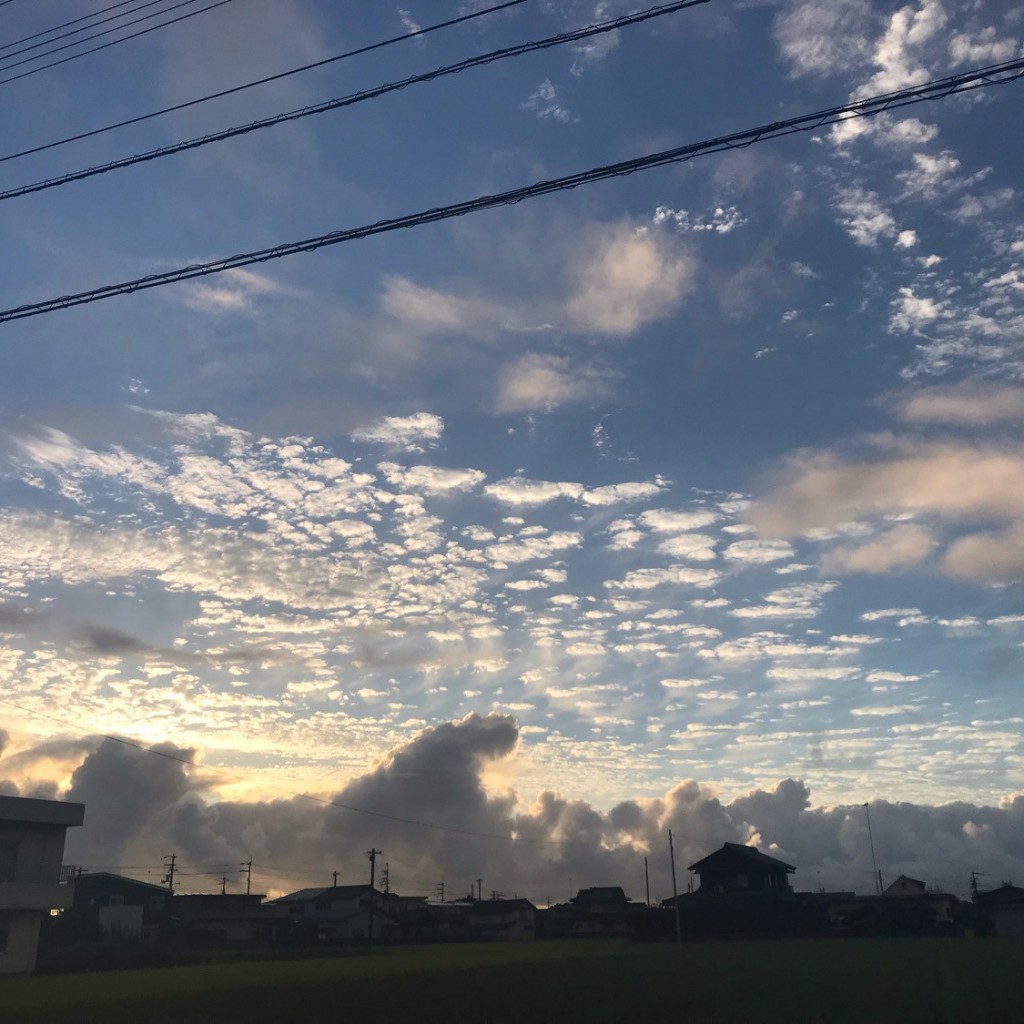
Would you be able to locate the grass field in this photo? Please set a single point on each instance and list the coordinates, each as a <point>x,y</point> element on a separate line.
<point>857,981</point>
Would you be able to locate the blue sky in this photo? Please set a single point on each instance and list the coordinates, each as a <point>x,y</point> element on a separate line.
<point>712,472</point>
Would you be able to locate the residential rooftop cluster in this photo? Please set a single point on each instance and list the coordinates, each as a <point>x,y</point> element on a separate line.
<point>742,893</point>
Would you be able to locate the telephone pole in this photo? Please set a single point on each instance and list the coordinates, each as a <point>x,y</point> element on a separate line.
<point>675,894</point>
<point>224,885</point>
<point>439,890</point>
<point>169,877</point>
<point>385,879</point>
<point>871,841</point>
<point>373,855</point>
<point>647,883</point>
<point>479,889</point>
<point>247,864</point>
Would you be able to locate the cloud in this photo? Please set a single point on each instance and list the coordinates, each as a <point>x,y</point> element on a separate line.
<point>234,292</point>
<point>627,279</point>
<point>821,37</point>
<point>901,546</point>
<point>434,815</point>
<point>435,311</point>
<point>971,403</point>
<point>522,493</point>
<point>536,382</point>
<point>411,433</point>
<point>431,479</point>
<point>544,103</point>
<point>864,217</point>
<point>956,482</point>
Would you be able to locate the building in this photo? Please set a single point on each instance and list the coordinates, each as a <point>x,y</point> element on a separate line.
<point>32,836</point>
<point>1001,911</point>
<point>502,920</point>
<point>602,911</point>
<point>741,869</point>
<point>115,906</point>
<point>218,918</point>
<point>335,913</point>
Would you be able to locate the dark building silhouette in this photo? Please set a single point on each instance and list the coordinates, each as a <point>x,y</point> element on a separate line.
<point>106,904</point>
<point>742,869</point>
<point>1000,911</point>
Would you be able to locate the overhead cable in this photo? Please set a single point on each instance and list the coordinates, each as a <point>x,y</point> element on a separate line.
<point>359,97</point>
<point>113,42</point>
<point>75,32</point>
<point>263,81</point>
<point>996,74</point>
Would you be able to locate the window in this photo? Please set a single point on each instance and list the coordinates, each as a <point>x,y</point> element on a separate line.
<point>296,908</point>
<point>8,860</point>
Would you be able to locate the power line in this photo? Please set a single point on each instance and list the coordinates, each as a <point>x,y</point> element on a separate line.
<point>997,74</point>
<point>263,81</point>
<point>113,42</point>
<point>358,97</point>
<point>74,32</point>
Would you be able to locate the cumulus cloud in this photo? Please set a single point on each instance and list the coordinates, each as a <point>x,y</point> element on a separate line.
<point>972,403</point>
<point>412,433</point>
<point>436,311</point>
<point>901,546</point>
<point>427,805</point>
<point>537,382</point>
<point>957,482</point>
<point>628,278</point>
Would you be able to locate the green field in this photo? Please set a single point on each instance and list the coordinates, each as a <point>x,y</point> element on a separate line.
<point>856,981</point>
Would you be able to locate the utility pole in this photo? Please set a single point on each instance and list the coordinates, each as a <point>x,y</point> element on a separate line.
<point>169,877</point>
<point>373,855</point>
<point>439,890</point>
<point>871,840</point>
<point>247,864</point>
<point>479,889</point>
<point>675,894</point>
<point>223,885</point>
<point>334,875</point>
<point>385,877</point>
<point>647,884</point>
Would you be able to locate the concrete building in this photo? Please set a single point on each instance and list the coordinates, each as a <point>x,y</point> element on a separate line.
<point>31,852</point>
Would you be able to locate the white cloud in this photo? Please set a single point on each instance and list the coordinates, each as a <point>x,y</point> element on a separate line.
<point>758,552</point>
<point>522,493</point>
<point>432,311</point>
<point>648,579</point>
<point>973,403</point>
<point>412,433</point>
<point>864,217</point>
<point>663,520</point>
<point>431,479</point>
<point>544,103</point>
<point>628,278</point>
<point>537,381</point>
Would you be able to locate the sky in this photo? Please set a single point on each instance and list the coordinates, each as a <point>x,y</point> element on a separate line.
<point>692,499</point>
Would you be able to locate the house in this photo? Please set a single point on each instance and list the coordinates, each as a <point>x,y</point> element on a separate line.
<point>335,913</point>
<point>218,918</point>
<point>742,869</point>
<point>904,886</point>
<point>502,920</point>
<point>1001,911</point>
<point>906,907</point>
<point>599,912</point>
<point>32,836</point>
<point>121,907</point>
